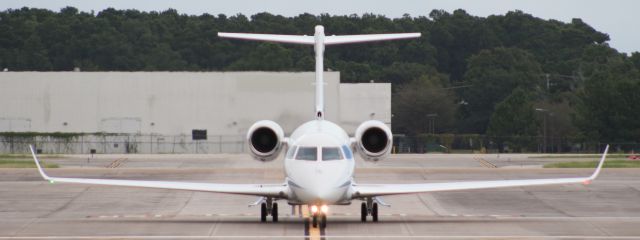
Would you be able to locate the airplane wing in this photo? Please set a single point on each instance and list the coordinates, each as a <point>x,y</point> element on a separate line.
<point>373,190</point>
<point>265,190</point>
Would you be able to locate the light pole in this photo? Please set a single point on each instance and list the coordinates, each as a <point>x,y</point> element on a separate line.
<point>544,130</point>
<point>432,123</point>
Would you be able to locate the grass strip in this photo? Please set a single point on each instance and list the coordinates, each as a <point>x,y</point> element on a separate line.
<point>23,163</point>
<point>593,164</point>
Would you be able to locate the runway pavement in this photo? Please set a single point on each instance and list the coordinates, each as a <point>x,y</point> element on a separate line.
<point>34,209</point>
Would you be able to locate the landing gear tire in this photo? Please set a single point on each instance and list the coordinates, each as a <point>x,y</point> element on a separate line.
<point>314,221</point>
<point>363,212</point>
<point>374,212</point>
<point>263,212</point>
<point>323,221</point>
<point>274,212</point>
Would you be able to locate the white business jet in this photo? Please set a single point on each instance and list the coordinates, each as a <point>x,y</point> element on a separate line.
<point>319,160</point>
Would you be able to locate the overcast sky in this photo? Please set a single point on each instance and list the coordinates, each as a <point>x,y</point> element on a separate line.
<point>619,18</point>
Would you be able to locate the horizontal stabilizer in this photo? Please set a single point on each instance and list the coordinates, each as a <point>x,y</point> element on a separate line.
<point>270,37</point>
<point>328,40</point>
<point>332,40</point>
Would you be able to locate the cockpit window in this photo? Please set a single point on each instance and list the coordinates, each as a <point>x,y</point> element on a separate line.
<point>331,153</point>
<point>292,150</point>
<point>347,152</point>
<point>307,153</point>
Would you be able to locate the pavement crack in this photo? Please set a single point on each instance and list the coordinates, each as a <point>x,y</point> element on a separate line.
<point>25,226</point>
<point>66,205</point>
<point>214,227</point>
<point>548,205</point>
<point>432,204</point>
<point>185,203</point>
<point>599,229</point>
<point>634,188</point>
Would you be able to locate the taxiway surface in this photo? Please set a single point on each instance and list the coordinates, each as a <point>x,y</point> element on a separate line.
<point>31,208</point>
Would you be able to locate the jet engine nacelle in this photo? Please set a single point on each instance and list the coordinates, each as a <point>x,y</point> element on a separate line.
<point>373,140</point>
<point>265,139</point>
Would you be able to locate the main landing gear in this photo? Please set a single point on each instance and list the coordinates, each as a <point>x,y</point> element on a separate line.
<point>369,208</point>
<point>269,208</point>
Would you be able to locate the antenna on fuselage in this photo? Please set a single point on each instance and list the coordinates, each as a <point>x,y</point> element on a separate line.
<point>319,40</point>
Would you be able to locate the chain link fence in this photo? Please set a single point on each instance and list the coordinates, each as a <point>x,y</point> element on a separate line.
<point>184,144</point>
<point>475,143</point>
<point>122,144</point>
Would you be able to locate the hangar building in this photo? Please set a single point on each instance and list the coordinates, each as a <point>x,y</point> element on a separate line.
<point>143,110</point>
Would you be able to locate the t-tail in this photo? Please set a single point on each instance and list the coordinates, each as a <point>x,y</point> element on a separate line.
<point>319,40</point>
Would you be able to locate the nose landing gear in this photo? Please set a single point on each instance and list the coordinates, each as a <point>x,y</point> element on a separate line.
<point>319,216</point>
<point>319,219</point>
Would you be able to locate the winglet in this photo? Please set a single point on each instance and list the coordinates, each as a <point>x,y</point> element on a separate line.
<point>595,174</point>
<point>35,158</point>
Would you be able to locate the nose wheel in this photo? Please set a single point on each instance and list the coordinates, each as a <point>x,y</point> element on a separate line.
<point>319,219</point>
<point>369,209</point>
<point>265,211</point>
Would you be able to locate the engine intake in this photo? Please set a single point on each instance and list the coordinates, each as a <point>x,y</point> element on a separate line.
<point>373,140</point>
<point>265,140</point>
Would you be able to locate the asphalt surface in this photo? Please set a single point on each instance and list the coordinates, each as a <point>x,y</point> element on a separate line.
<point>34,209</point>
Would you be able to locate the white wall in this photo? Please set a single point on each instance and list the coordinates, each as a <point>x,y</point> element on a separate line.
<point>174,103</point>
<point>364,101</point>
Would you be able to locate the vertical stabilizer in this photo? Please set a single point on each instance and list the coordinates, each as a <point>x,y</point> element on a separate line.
<point>319,40</point>
<point>319,49</point>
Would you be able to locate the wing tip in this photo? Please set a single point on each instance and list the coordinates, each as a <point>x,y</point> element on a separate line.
<point>35,159</point>
<point>600,164</point>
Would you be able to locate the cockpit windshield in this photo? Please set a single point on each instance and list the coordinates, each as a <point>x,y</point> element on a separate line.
<point>292,150</point>
<point>347,152</point>
<point>307,153</point>
<point>331,153</point>
<point>311,153</point>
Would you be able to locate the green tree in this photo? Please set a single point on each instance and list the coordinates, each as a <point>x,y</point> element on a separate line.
<point>514,122</point>
<point>34,55</point>
<point>267,57</point>
<point>560,129</point>
<point>488,56</point>
<point>420,101</point>
<point>493,75</point>
<point>635,59</point>
<point>608,109</point>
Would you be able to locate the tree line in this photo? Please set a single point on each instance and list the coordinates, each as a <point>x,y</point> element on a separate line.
<point>503,75</point>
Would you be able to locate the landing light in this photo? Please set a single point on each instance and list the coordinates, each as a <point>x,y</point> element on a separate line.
<point>314,209</point>
<point>324,209</point>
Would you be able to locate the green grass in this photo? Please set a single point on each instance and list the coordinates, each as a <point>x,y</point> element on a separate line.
<point>23,163</point>
<point>593,164</point>
<point>26,156</point>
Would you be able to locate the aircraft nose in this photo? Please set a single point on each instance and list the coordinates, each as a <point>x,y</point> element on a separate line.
<point>321,195</point>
